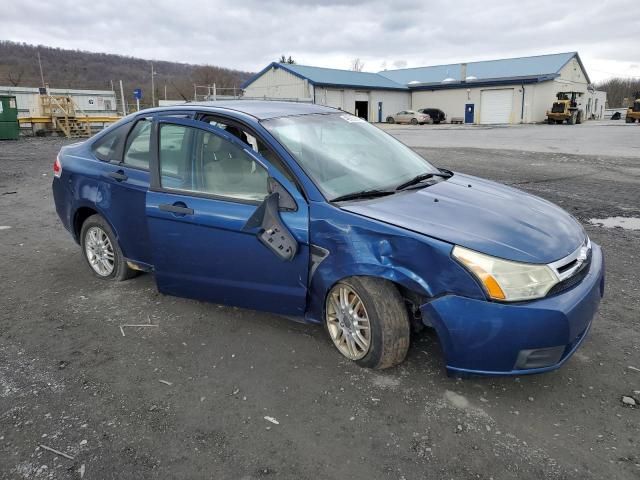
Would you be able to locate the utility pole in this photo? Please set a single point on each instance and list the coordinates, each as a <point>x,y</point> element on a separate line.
<point>40,65</point>
<point>153,91</point>
<point>165,91</point>
<point>124,103</point>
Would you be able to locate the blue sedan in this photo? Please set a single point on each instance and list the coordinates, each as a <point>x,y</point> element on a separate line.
<point>312,213</point>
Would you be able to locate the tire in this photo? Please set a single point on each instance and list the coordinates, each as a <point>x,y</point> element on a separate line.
<point>390,120</point>
<point>572,119</point>
<point>628,120</point>
<point>579,118</point>
<point>414,121</point>
<point>388,321</point>
<point>92,238</point>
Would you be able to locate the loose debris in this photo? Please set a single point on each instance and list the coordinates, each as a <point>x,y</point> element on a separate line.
<point>165,382</point>
<point>122,327</point>
<point>272,420</point>
<point>634,369</point>
<point>629,401</point>
<point>57,452</point>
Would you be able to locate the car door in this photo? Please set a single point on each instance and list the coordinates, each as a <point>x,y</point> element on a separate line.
<point>406,116</point>
<point>207,189</point>
<point>126,182</point>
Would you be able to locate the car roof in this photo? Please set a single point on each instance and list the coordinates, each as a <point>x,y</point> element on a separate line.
<point>260,109</point>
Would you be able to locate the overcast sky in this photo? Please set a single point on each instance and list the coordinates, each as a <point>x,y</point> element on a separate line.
<point>390,34</point>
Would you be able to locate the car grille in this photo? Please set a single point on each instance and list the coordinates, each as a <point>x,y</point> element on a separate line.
<point>574,279</point>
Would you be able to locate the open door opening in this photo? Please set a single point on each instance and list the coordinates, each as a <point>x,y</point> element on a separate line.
<point>362,109</point>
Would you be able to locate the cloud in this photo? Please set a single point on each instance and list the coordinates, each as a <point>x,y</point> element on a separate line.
<point>249,34</point>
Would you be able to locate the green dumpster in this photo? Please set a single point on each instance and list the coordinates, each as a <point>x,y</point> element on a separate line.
<point>9,126</point>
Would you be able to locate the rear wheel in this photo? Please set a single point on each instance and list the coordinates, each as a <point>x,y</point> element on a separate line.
<point>367,320</point>
<point>102,252</point>
<point>390,120</point>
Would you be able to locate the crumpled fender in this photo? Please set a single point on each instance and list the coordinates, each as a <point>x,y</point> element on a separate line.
<point>356,245</point>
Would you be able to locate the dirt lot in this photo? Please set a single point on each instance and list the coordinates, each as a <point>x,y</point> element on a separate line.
<point>188,398</point>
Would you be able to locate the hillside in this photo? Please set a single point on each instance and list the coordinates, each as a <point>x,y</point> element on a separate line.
<point>88,70</point>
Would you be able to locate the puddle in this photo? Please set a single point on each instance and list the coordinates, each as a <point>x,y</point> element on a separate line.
<point>628,223</point>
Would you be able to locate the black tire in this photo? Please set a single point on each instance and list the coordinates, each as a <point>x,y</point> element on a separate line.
<point>388,318</point>
<point>579,118</point>
<point>629,120</point>
<point>572,119</point>
<point>390,120</point>
<point>414,121</point>
<point>121,270</point>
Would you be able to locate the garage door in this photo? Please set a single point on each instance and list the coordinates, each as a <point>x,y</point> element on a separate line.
<point>495,105</point>
<point>334,98</point>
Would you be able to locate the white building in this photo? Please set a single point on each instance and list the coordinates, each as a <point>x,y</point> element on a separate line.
<point>515,90</point>
<point>94,103</point>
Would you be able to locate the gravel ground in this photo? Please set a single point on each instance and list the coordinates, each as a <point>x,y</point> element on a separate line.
<point>190,398</point>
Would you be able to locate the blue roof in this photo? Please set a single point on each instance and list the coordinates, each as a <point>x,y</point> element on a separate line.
<point>530,69</point>
<point>333,77</point>
<point>542,67</point>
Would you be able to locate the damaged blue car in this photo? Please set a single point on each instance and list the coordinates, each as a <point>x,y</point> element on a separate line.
<point>312,213</point>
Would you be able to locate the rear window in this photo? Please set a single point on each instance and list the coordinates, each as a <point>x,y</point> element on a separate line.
<point>106,147</point>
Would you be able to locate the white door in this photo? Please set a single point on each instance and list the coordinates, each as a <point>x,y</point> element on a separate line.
<point>496,105</point>
<point>334,99</point>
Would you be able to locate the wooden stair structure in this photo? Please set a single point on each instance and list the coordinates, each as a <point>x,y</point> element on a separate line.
<point>64,116</point>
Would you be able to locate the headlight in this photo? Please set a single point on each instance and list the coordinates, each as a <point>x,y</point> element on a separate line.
<point>507,280</point>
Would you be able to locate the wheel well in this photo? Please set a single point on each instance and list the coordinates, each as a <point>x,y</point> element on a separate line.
<point>413,300</point>
<point>81,215</point>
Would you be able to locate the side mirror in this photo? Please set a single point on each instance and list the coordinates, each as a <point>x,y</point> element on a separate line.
<point>285,200</point>
<point>272,232</point>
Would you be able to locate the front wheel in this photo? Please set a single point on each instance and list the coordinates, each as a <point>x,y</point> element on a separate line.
<point>390,120</point>
<point>102,252</point>
<point>367,320</point>
<point>414,121</point>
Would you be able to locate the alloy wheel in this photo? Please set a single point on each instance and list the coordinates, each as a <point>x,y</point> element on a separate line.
<point>99,251</point>
<point>348,322</point>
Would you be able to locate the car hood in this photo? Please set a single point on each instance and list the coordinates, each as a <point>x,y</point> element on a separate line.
<point>481,215</point>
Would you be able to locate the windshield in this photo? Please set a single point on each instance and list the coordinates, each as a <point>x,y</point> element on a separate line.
<point>344,154</point>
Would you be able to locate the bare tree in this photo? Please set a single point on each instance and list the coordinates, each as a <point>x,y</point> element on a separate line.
<point>15,78</point>
<point>357,65</point>
<point>620,91</point>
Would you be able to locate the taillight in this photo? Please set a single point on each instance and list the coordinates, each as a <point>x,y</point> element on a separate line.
<point>57,168</point>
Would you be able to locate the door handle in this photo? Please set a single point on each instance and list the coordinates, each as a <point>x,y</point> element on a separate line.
<point>177,208</point>
<point>118,176</point>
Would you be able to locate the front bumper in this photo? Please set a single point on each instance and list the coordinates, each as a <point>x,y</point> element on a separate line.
<point>490,338</point>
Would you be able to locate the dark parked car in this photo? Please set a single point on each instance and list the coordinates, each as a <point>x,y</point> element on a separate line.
<point>315,214</point>
<point>436,114</point>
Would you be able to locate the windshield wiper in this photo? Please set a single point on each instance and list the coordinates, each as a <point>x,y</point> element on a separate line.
<point>363,194</point>
<point>422,177</point>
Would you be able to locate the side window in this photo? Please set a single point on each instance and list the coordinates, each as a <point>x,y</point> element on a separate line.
<point>105,147</point>
<point>195,160</point>
<point>256,144</point>
<point>136,150</point>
